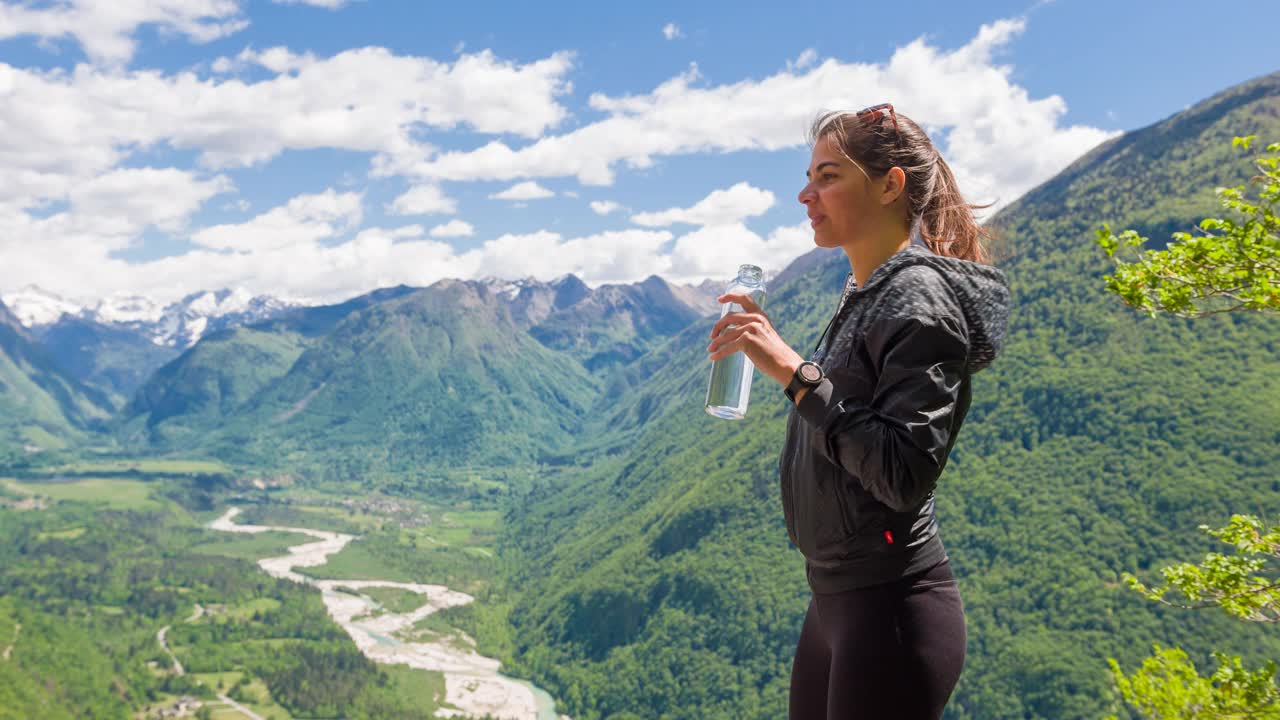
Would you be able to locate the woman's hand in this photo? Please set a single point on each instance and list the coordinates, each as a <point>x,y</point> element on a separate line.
<point>753,335</point>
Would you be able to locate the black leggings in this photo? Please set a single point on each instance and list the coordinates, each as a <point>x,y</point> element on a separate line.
<point>889,651</point>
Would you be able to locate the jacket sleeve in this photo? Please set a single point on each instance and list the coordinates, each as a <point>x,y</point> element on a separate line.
<point>894,442</point>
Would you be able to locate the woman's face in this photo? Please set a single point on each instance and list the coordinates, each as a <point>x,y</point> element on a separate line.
<point>840,197</point>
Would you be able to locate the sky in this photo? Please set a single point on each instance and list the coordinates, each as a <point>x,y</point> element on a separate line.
<point>318,149</point>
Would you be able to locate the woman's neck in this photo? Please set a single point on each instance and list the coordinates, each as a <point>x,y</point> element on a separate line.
<point>865,257</point>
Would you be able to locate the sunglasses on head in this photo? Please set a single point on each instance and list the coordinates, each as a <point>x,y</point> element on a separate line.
<point>874,114</point>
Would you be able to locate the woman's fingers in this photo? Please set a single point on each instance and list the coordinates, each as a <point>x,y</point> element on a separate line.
<point>735,319</point>
<point>730,336</point>
<point>748,305</point>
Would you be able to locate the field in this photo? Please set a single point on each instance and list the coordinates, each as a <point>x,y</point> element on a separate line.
<point>250,547</point>
<point>394,600</point>
<point>452,548</point>
<point>116,494</point>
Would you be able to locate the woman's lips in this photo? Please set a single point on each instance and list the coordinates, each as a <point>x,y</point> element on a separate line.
<point>813,221</point>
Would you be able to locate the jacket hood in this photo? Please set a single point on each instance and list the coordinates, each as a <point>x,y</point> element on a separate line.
<point>982,290</point>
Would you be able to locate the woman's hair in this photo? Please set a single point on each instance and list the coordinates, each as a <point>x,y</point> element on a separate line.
<point>934,204</point>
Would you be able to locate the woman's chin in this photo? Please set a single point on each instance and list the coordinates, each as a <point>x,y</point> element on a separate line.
<point>823,240</point>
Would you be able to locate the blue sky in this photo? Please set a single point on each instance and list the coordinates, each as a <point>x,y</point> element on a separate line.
<point>321,148</point>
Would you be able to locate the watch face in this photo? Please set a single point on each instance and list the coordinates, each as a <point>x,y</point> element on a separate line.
<point>810,373</point>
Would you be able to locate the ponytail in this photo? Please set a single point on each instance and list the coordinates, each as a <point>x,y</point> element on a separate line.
<point>947,223</point>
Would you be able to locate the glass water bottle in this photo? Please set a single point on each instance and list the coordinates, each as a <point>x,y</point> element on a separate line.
<point>730,387</point>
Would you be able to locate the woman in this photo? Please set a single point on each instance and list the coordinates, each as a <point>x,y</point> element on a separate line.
<point>876,413</point>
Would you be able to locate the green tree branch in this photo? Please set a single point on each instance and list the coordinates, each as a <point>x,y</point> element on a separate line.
<point>1234,264</point>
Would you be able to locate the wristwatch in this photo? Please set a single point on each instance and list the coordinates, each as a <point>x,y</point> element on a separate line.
<point>808,375</point>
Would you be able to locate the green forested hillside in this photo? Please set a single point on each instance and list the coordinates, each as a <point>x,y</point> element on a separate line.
<point>663,584</point>
<point>440,376</point>
<point>115,360</point>
<point>41,405</point>
<point>191,396</point>
<point>183,402</point>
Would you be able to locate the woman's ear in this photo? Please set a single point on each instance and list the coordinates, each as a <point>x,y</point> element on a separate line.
<point>895,185</point>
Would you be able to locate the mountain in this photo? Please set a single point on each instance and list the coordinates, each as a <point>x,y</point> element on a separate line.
<point>191,396</point>
<point>654,578</point>
<point>441,376</point>
<point>531,301</point>
<point>41,405</point>
<point>114,345</point>
<point>178,324</point>
<point>614,324</point>
<point>257,390</point>
<point>701,297</point>
<point>433,376</point>
<point>116,360</point>
<point>604,327</point>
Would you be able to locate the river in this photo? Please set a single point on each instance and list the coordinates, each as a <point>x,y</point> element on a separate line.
<point>473,684</point>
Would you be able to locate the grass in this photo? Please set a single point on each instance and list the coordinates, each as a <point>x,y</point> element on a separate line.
<point>68,534</point>
<point>423,688</point>
<point>456,549</point>
<point>115,494</point>
<point>453,535</point>
<point>264,705</point>
<point>436,626</point>
<point>146,466</point>
<point>396,600</point>
<point>251,547</point>
<point>357,520</point>
<point>211,680</point>
<point>37,436</point>
<point>243,611</point>
<point>357,562</point>
<point>311,518</point>
<point>477,519</point>
<point>222,711</point>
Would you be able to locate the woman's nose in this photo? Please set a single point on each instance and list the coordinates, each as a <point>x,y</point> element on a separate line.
<point>806,195</point>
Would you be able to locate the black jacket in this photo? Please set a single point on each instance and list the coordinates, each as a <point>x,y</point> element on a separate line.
<point>865,448</point>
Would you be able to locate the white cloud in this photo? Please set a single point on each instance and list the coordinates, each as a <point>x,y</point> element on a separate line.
<point>65,127</point>
<point>999,140</point>
<point>806,58</point>
<point>524,191</point>
<point>305,267</point>
<point>105,28</point>
<point>129,200</point>
<point>71,250</point>
<point>279,60</point>
<point>671,31</point>
<point>303,220</point>
<point>453,228</point>
<point>621,256</point>
<point>721,207</point>
<point>424,200</point>
<point>70,202</point>
<point>716,251</point>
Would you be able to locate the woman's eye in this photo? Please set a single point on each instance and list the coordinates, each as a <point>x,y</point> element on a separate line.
<point>828,177</point>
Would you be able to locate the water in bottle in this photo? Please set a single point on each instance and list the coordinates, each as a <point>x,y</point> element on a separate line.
<point>730,387</point>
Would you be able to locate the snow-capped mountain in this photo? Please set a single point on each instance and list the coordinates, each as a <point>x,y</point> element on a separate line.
<point>178,325</point>
<point>35,307</point>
